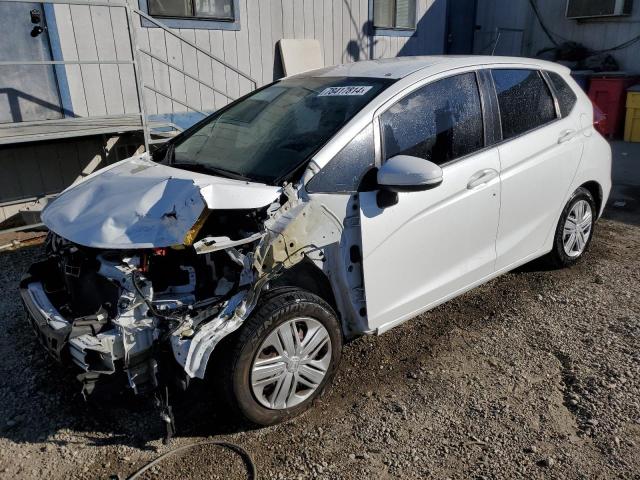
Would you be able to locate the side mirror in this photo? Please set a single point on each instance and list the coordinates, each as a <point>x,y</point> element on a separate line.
<point>404,173</point>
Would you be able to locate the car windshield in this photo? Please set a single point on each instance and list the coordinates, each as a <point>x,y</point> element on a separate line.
<point>271,133</point>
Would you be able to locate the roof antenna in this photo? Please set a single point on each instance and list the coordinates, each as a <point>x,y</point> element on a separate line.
<point>495,45</point>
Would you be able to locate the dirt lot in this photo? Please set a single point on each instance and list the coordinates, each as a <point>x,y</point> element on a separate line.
<point>536,374</point>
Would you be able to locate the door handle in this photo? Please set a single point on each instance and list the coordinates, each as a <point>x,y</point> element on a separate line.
<point>481,178</point>
<point>566,135</point>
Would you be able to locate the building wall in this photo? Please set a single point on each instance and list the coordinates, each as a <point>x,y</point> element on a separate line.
<point>502,26</point>
<point>595,34</point>
<point>521,33</point>
<point>35,170</point>
<point>100,32</point>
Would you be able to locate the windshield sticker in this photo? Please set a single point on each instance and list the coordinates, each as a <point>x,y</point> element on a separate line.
<point>344,91</point>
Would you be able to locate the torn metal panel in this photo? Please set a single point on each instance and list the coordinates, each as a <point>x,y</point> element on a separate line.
<point>298,228</point>
<point>213,244</point>
<point>142,204</point>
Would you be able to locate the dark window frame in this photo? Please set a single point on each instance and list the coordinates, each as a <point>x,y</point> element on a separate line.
<point>198,23</point>
<point>311,188</point>
<point>392,31</point>
<point>494,93</point>
<point>485,109</point>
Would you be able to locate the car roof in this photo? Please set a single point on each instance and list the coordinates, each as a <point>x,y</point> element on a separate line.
<point>400,67</point>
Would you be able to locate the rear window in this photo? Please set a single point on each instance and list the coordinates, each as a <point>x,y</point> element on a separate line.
<point>524,99</point>
<point>566,96</point>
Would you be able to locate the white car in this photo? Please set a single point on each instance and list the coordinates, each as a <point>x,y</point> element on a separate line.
<point>328,205</point>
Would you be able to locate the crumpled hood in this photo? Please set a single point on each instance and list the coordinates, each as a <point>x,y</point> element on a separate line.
<point>138,203</point>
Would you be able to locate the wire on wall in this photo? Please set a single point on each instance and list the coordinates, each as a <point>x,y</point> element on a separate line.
<point>550,35</point>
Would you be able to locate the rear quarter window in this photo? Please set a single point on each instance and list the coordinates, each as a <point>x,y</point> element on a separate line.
<point>524,100</point>
<point>566,96</point>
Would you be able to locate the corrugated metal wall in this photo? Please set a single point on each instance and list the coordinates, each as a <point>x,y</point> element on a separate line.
<point>521,33</point>
<point>341,26</point>
<point>596,34</point>
<point>501,27</point>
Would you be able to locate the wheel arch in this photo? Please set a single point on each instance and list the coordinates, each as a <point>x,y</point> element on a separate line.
<point>307,276</point>
<point>596,192</point>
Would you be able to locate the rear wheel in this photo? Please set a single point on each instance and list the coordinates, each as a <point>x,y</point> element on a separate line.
<point>284,356</point>
<point>574,230</point>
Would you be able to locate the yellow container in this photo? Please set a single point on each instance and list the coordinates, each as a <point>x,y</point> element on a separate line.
<point>632,120</point>
<point>633,97</point>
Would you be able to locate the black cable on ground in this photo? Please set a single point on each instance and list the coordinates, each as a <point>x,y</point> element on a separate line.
<point>246,457</point>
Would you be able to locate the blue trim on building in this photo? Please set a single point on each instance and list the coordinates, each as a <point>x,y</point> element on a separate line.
<point>195,23</point>
<point>390,32</point>
<point>56,54</point>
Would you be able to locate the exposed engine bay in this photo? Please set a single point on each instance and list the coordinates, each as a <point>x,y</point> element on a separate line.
<point>120,309</point>
<point>156,311</point>
<point>124,302</point>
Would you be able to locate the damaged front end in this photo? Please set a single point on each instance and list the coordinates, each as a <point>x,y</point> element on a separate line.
<point>121,310</point>
<point>145,311</point>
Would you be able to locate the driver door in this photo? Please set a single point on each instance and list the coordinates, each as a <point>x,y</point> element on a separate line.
<point>435,243</point>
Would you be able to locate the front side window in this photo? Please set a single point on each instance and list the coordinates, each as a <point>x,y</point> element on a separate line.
<point>566,96</point>
<point>210,9</point>
<point>399,14</point>
<point>439,122</point>
<point>344,172</point>
<point>524,100</point>
<point>274,131</point>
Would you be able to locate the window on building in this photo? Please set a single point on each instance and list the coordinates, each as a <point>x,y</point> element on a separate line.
<point>395,14</point>
<point>439,122</point>
<point>566,97</point>
<point>209,9</point>
<point>524,99</point>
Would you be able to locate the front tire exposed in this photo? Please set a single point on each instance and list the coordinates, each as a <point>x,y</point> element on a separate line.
<point>574,230</point>
<point>282,358</point>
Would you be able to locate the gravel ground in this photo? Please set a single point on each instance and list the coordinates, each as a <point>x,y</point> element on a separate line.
<point>535,374</point>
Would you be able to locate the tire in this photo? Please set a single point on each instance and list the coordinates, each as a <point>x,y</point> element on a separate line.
<point>279,310</point>
<point>559,256</point>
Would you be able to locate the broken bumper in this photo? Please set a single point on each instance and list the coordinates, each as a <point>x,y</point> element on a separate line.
<point>51,329</point>
<point>57,334</point>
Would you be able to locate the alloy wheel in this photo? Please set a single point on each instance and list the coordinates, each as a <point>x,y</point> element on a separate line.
<point>577,228</point>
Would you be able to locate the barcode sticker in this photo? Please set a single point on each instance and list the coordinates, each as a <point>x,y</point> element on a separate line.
<point>344,91</point>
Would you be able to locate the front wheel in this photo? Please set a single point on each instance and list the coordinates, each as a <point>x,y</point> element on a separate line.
<point>284,356</point>
<point>574,230</point>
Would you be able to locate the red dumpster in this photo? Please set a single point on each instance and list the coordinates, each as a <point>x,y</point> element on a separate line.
<point>608,92</point>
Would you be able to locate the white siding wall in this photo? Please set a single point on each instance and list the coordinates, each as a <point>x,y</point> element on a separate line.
<point>95,32</point>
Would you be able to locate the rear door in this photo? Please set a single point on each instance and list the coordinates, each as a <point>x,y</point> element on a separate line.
<point>434,243</point>
<point>539,156</point>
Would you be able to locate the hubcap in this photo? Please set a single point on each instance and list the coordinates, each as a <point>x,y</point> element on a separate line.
<point>291,363</point>
<point>577,228</point>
